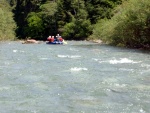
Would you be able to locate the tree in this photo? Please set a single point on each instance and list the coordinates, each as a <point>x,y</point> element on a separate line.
<point>48,14</point>
<point>42,23</point>
<point>130,25</point>
<point>56,16</point>
<point>21,9</point>
<point>34,26</point>
<point>100,9</point>
<point>73,19</point>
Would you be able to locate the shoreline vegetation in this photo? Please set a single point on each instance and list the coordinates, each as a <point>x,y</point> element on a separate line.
<point>122,23</point>
<point>129,27</point>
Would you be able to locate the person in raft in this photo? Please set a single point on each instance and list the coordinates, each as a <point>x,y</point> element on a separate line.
<point>59,38</point>
<point>50,38</point>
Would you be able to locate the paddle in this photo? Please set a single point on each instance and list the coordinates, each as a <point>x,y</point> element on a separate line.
<point>64,42</point>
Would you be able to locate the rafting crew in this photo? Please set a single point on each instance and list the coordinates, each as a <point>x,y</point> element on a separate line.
<point>50,39</point>
<point>58,38</point>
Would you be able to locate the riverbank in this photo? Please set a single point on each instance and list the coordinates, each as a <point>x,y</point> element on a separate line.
<point>144,47</point>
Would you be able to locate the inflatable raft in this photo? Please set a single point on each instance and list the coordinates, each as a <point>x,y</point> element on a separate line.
<point>55,42</point>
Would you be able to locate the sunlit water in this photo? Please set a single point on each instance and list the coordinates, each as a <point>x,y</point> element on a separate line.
<point>80,77</point>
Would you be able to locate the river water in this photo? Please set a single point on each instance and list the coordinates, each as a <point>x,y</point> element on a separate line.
<point>80,77</point>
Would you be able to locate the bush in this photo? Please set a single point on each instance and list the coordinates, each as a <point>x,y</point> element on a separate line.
<point>35,26</point>
<point>130,25</point>
<point>77,30</point>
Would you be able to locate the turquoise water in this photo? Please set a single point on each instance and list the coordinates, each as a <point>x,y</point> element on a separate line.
<point>80,77</point>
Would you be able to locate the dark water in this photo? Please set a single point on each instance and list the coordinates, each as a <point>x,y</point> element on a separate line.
<point>80,77</point>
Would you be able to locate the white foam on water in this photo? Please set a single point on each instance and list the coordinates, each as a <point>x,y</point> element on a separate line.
<point>95,59</point>
<point>115,61</point>
<point>75,56</point>
<point>126,69</point>
<point>120,85</point>
<point>142,111</point>
<point>98,60</point>
<point>15,51</point>
<point>72,49</point>
<point>4,88</point>
<point>145,65</point>
<point>43,58</point>
<point>121,61</point>
<point>62,56</point>
<point>78,69</point>
<point>68,56</point>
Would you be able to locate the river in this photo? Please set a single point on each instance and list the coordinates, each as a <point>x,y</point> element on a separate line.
<point>80,77</point>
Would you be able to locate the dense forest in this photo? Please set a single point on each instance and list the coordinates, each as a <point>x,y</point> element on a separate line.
<point>117,22</point>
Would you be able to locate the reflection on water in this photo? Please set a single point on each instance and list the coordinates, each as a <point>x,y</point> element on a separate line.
<point>81,77</point>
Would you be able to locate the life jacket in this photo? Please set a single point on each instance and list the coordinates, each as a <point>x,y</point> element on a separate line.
<point>52,39</point>
<point>49,38</point>
<point>60,39</point>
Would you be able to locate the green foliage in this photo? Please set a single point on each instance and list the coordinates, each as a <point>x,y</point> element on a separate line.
<point>77,30</point>
<point>100,9</point>
<point>35,26</point>
<point>69,30</point>
<point>21,9</point>
<point>7,24</point>
<point>48,12</point>
<point>56,16</point>
<point>48,9</point>
<point>130,25</point>
<point>43,22</point>
<point>76,26</point>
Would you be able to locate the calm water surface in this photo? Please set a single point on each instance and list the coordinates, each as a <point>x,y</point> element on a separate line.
<point>80,77</point>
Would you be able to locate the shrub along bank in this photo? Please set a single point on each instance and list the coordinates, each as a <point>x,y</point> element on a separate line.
<point>130,25</point>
